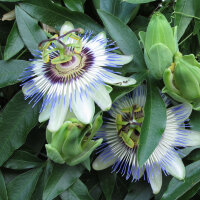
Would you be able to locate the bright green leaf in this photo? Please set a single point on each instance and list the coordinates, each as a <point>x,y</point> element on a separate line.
<point>125,38</point>
<point>14,43</point>
<point>61,179</point>
<point>151,131</point>
<point>10,71</point>
<point>16,121</point>
<point>3,191</point>
<point>54,15</point>
<point>78,191</point>
<point>29,30</point>
<point>22,160</point>
<point>177,188</point>
<point>23,185</point>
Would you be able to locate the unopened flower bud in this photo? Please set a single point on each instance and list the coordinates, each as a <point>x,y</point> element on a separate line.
<point>160,45</point>
<point>70,144</point>
<point>182,81</point>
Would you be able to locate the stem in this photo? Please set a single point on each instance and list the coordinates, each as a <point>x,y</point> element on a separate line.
<point>48,40</point>
<point>186,38</point>
<point>186,15</point>
<point>21,54</point>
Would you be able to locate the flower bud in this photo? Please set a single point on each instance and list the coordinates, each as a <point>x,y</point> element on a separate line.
<point>160,45</point>
<point>182,80</point>
<point>71,143</point>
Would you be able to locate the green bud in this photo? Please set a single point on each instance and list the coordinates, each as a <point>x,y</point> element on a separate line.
<point>160,45</point>
<point>182,80</point>
<point>72,143</point>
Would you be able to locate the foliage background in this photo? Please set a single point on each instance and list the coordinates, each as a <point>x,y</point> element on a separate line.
<point>26,173</point>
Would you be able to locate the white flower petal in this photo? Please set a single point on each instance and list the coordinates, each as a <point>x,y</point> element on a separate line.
<point>100,164</point>
<point>115,79</point>
<point>122,59</point>
<point>156,180</point>
<point>180,112</point>
<point>58,115</point>
<point>45,114</point>
<point>83,108</point>
<point>193,138</point>
<point>102,37</point>
<point>101,96</point>
<point>176,168</point>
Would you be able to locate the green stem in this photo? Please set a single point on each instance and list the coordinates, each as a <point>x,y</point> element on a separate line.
<point>186,38</point>
<point>186,15</point>
<point>21,54</point>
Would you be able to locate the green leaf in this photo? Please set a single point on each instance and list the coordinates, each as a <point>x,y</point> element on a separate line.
<point>3,191</point>
<point>151,131</point>
<point>22,160</point>
<point>194,120</point>
<point>123,10</point>
<point>29,30</point>
<point>189,194</point>
<point>107,182</point>
<point>74,5</point>
<point>139,191</point>
<point>138,1</point>
<point>16,121</point>
<point>125,38</point>
<point>183,7</point>
<point>78,191</point>
<point>37,195</point>
<point>11,0</point>
<point>177,188</point>
<point>10,71</point>
<point>23,185</point>
<point>61,179</point>
<point>54,15</point>
<point>186,151</point>
<point>14,43</point>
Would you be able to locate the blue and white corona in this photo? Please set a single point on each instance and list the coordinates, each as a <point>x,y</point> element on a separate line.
<point>121,133</point>
<point>71,73</point>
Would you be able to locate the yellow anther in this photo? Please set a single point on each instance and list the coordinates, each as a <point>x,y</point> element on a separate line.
<point>127,140</point>
<point>172,67</point>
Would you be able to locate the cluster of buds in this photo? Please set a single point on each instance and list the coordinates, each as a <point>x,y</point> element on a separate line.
<point>181,74</point>
<point>160,45</point>
<point>182,80</point>
<point>72,143</point>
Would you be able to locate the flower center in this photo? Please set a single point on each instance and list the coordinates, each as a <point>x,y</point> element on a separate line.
<point>70,68</point>
<point>129,125</point>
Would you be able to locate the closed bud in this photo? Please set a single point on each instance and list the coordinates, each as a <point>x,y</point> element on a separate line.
<point>182,80</point>
<point>160,45</point>
<point>72,143</point>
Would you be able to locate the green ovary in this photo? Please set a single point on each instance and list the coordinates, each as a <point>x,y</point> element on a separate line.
<point>129,125</point>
